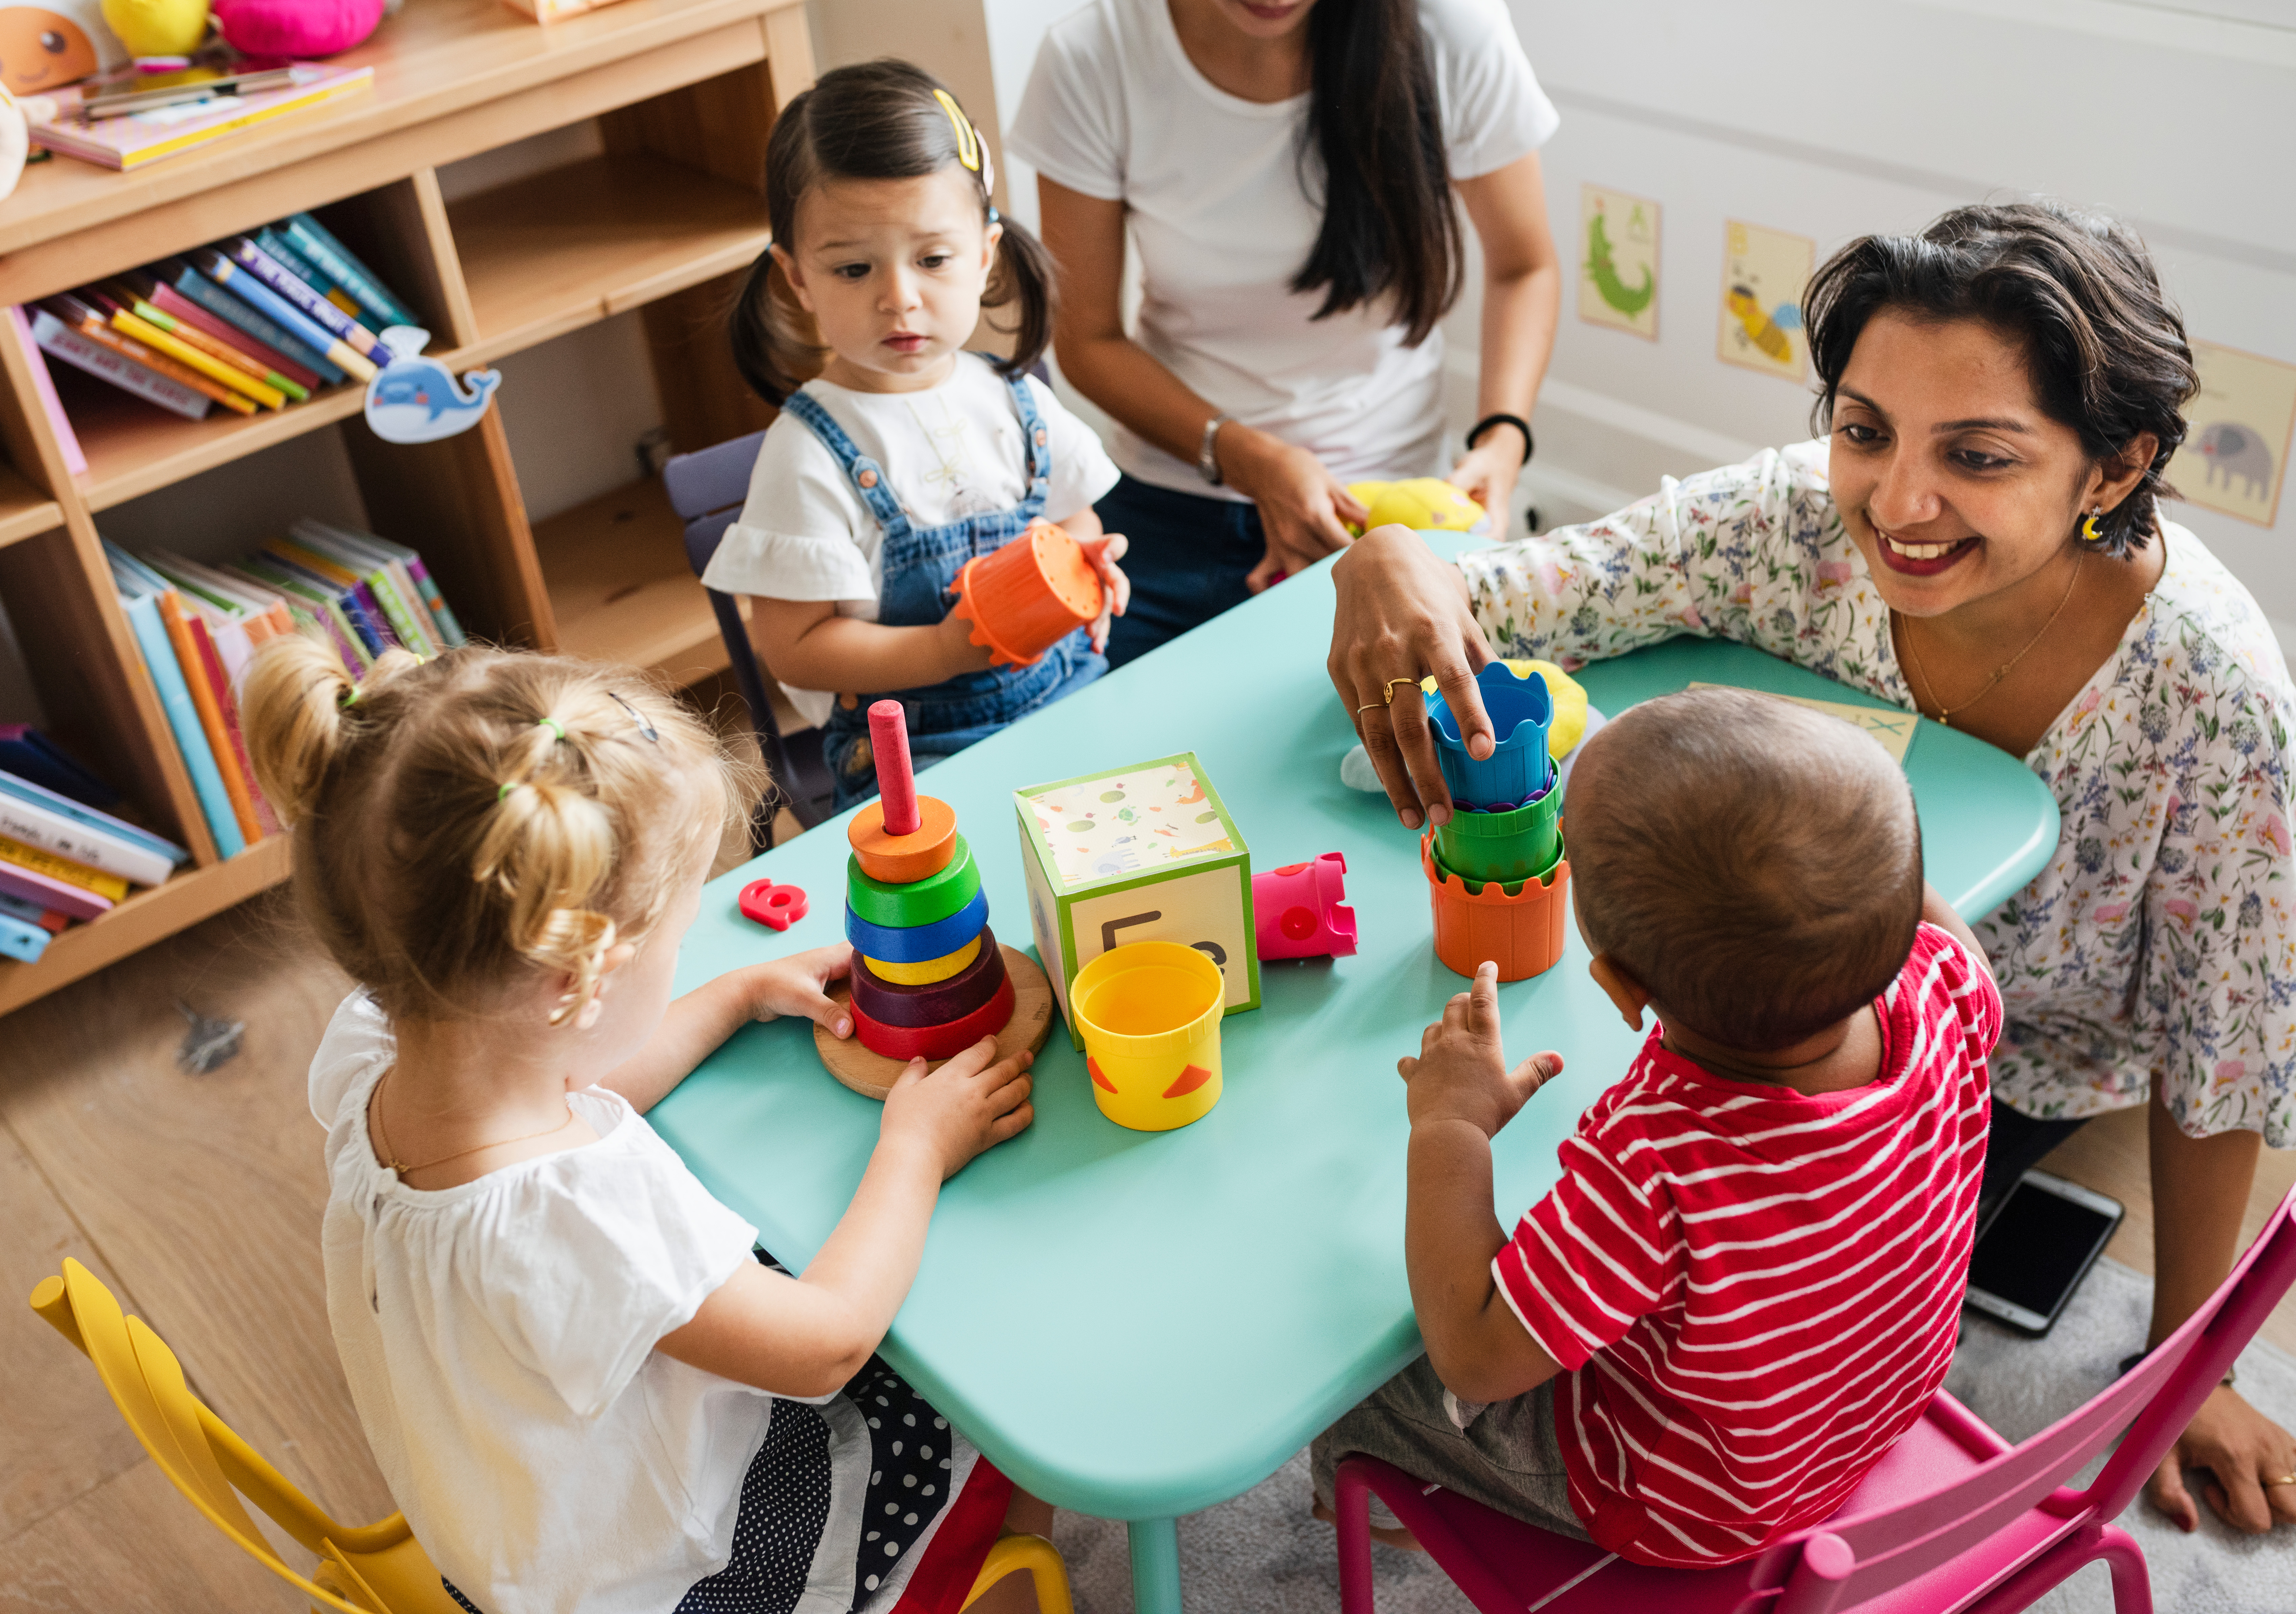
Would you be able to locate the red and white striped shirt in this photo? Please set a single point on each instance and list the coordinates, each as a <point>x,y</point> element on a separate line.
<point>1754,1292</point>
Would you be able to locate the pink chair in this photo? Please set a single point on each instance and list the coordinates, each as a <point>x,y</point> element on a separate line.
<point>1953,1518</point>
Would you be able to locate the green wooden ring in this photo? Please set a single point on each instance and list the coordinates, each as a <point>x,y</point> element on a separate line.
<point>919,902</point>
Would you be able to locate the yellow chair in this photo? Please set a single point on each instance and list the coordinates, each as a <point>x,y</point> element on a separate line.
<point>377,1569</point>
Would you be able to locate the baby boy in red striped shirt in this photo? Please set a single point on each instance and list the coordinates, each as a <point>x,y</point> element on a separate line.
<point>1744,1286</point>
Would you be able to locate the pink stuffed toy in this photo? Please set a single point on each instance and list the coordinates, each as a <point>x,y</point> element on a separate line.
<point>295,27</point>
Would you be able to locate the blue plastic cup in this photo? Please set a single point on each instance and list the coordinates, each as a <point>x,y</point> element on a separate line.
<point>1521,710</point>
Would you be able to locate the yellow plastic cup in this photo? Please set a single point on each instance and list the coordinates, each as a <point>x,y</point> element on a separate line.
<point>1150,1013</point>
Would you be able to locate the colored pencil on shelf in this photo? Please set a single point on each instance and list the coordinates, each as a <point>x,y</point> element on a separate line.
<point>306,299</point>
<point>275,366</point>
<point>252,290</point>
<point>224,305</point>
<point>44,384</point>
<point>340,264</point>
<point>108,361</point>
<point>30,885</point>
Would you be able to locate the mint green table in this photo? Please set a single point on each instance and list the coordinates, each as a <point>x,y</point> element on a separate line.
<point>1137,1325</point>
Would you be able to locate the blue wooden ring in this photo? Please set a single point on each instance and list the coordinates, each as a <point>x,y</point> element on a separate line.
<point>936,1002</point>
<point>905,905</point>
<point>915,943</point>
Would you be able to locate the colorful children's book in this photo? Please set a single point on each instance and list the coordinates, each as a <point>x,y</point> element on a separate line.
<point>272,240</point>
<point>107,362</point>
<point>448,630</point>
<point>129,323</point>
<point>262,611</point>
<point>32,757</point>
<point>65,869</point>
<point>141,591</point>
<point>33,913</point>
<point>92,821</point>
<point>44,384</point>
<point>199,288</point>
<point>88,319</point>
<point>63,897</point>
<point>251,372</point>
<point>20,938</point>
<point>386,578</point>
<point>335,260</point>
<point>242,284</point>
<point>306,299</point>
<point>275,366</point>
<point>316,602</point>
<point>356,601</point>
<point>38,824</point>
<point>144,137</point>
<point>184,632</point>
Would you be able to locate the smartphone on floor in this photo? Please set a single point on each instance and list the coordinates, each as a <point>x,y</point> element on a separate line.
<point>2036,1251</point>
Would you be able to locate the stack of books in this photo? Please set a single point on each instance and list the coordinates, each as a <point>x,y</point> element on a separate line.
<point>61,857</point>
<point>198,626</point>
<point>249,323</point>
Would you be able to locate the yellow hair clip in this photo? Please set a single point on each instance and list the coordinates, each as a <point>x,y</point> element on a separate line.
<point>968,143</point>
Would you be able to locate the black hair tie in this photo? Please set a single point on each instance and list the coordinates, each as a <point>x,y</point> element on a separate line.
<point>1515,421</point>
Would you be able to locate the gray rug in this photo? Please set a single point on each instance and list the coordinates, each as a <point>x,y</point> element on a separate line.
<point>1262,1554</point>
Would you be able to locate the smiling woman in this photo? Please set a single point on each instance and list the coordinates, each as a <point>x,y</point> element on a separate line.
<point>1979,539</point>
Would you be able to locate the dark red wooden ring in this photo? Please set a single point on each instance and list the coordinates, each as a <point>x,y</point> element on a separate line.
<point>936,1042</point>
<point>936,1002</point>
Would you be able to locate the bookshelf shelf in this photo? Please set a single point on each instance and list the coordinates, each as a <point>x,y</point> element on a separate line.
<point>622,590</point>
<point>684,94</point>
<point>578,243</point>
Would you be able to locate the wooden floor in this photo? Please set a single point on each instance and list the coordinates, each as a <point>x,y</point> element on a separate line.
<point>198,1197</point>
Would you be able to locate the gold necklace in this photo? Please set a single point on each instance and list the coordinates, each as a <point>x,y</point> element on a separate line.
<point>1945,716</point>
<point>390,1156</point>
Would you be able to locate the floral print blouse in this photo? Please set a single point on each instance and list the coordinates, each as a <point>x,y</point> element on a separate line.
<point>2161,937</point>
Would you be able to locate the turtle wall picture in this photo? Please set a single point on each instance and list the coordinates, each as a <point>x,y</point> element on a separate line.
<point>1618,260</point>
<point>2240,426</point>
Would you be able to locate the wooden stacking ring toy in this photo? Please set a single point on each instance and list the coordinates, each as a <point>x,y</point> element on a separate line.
<point>918,902</point>
<point>917,943</point>
<point>923,852</point>
<point>892,1005</point>
<point>943,1040</point>
<point>1028,595</point>
<point>924,974</point>
<point>872,1075</point>
<point>1520,930</point>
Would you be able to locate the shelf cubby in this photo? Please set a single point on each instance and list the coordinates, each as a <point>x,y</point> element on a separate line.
<point>620,589</point>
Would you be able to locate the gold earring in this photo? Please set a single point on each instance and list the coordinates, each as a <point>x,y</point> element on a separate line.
<point>2088,528</point>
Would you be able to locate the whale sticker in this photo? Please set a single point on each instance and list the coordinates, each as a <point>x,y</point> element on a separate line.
<point>414,400</point>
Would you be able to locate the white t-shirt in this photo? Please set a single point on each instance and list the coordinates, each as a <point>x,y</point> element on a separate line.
<point>1212,186</point>
<point>949,452</point>
<point>499,1339</point>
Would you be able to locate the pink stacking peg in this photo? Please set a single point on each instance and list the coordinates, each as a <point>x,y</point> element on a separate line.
<point>1299,910</point>
<point>896,781</point>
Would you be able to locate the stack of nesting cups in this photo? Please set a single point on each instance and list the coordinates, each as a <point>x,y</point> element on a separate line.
<point>929,979</point>
<point>1497,873</point>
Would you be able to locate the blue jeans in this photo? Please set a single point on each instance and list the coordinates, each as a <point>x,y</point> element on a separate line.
<point>1188,561</point>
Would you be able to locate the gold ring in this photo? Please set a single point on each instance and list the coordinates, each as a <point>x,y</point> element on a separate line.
<point>1387,693</point>
<point>2284,1479</point>
<point>1373,706</point>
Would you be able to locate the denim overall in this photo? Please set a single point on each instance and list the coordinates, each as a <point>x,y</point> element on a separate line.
<point>920,573</point>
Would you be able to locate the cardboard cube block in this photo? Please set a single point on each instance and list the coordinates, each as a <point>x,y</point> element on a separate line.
<point>1145,853</point>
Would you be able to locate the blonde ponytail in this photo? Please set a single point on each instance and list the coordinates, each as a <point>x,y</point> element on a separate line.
<point>547,850</point>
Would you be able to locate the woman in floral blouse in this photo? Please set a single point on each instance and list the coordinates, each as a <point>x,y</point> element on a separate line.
<point>1978,540</point>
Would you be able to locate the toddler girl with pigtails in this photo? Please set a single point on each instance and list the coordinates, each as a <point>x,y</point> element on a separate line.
<point>907,456</point>
<point>584,1389</point>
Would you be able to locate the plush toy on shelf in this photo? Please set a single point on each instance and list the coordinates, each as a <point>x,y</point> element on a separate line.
<point>165,29</point>
<point>300,28</point>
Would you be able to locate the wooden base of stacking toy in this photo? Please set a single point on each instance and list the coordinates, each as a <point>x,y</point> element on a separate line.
<point>872,1075</point>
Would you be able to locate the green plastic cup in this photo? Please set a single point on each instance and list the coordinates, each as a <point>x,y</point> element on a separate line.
<point>1511,887</point>
<point>1522,843</point>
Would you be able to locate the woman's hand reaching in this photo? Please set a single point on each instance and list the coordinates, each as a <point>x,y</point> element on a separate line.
<point>1303,509</point>
<point>1487,473</point>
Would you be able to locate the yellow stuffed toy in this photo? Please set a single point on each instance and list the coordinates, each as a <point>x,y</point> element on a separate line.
<point>1424,503</point>
<point>158,28</point>
<point>1570,698</point>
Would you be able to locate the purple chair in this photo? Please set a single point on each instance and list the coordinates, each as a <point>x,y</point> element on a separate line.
<point>1953,1518</point>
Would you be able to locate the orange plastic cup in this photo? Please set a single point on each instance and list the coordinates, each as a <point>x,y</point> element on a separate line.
<point>1523,933</point>
<point>1029,595</point>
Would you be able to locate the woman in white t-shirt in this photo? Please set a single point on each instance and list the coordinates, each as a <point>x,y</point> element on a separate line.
<point>907,457</point>
<point>1285,168</point>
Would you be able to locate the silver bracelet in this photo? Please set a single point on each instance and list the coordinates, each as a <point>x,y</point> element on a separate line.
<point>1207,461</point>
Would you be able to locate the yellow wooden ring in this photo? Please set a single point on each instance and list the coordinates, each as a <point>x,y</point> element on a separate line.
<point>926,972</point>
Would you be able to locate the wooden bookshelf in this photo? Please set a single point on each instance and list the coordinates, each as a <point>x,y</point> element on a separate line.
<point>685,92</point>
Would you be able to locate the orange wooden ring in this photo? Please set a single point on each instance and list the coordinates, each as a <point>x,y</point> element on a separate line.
<point>900,859</point>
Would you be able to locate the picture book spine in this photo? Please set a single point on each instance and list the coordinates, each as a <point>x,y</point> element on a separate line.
<point>450,629</point>
<point>253,369</point>
<point>33,913</point>
<point>20,940</point>
<point>302,268</point>
<point>89,818</point>
<point>30,755</point>
<point>184,632</point>
<point>342,585</point>
<point>110,886</point>
<point>306,301</point>
<point>337,261</point>
<point>206,364</point>
<point>426,637</point>
<point>321,603</point>
<point>256,323</point>
<point>44,384</point>
<point>252,292</point>
<point>184,719</point>
<point>385,594</point>
<point>225,649</point>
<point>275,364</point>
<point>93,329</point>
<point>27,885</point>
<point>82,353</point>
<point>51,831</point>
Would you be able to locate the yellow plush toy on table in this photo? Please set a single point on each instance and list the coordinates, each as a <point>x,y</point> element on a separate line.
<point>1570,698</point>
<point>1424,503</point>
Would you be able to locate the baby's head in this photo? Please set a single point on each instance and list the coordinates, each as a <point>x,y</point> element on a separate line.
<point>485,827</point>
<point>1754,865</point>
<point>878,189</point>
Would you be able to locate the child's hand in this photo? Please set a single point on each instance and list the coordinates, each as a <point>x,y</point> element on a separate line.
<point>959,653</point>
<point>1116,588</point>
<point>1461,1073</point>
<point>799,985</point>
<point>965,1107</point>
